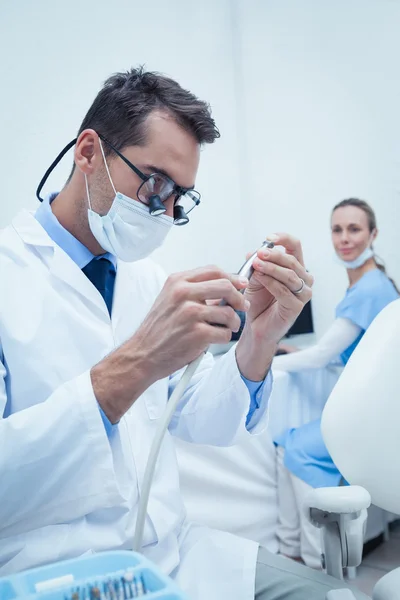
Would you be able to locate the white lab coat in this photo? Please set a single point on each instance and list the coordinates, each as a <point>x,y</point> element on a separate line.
<point>66,488</point>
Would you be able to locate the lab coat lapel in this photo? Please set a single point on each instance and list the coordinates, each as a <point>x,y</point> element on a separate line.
<point>62,268</point>
<point>130,302</point>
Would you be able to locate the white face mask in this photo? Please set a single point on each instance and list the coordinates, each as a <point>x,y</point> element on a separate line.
<point>128,230</point>
<point>357,262</point>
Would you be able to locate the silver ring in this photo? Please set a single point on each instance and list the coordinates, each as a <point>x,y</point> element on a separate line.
<point>301,288</point>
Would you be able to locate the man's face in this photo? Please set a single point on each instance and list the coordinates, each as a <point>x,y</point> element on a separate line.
<point>169,149</point>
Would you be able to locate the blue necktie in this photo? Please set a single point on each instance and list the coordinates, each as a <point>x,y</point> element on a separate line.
<point>101,272</point>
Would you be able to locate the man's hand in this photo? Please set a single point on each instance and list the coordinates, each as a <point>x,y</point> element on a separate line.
<point>275,304</point>
<point>287,348</point>
<point>182,323</point>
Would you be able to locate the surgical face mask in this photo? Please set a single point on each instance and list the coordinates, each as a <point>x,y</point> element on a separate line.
<point>127,231</point>
<point>357,262</point>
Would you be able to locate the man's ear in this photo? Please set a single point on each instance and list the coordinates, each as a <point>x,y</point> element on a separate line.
<point>87,151</point>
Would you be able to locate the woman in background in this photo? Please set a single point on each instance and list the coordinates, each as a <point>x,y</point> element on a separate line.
<point>303,460</point>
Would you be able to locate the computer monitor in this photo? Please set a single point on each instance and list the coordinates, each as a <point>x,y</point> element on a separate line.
<point>304,322</point>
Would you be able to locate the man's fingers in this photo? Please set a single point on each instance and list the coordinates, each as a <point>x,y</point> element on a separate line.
<point>216,335</point>
<point>291,244</point>
<point>210,273</point>
<point>282,293</point>
<point>218,289</point>
<point>222,315</point>
<point>284,266</point>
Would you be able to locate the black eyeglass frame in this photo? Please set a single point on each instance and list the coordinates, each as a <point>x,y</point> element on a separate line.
<point>178,190</point>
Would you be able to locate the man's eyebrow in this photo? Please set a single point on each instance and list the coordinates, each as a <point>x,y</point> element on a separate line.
<point>154,169</point>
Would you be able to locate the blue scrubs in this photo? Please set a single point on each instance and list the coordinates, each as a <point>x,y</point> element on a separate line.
<point>306,455</point>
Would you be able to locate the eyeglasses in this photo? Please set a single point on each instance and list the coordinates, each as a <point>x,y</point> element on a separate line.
<point>156,188</point>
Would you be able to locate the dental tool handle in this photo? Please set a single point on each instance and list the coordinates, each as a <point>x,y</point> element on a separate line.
<point>246,270</point>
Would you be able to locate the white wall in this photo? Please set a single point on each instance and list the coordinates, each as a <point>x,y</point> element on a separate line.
<point>56,56</point>
<point>321,91</point>
<point>306,94</point>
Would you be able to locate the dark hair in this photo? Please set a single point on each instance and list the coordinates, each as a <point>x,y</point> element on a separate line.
<point>371,225</point>
<point>122,106</point>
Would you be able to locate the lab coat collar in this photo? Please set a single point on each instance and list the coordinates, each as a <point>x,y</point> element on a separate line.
<point>30,230</point>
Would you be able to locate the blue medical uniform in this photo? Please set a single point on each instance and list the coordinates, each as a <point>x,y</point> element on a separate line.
<point>306,455</point>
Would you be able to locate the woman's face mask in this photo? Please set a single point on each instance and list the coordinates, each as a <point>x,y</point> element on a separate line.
<point>128,230</point>
<point>357,262</point>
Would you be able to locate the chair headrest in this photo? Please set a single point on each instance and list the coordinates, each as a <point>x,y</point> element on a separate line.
<point>361,420</point>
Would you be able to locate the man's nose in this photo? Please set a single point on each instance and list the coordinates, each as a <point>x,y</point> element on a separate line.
<point>169,205</point>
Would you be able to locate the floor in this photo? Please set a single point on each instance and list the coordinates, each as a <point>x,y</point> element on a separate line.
<point>381,560</point>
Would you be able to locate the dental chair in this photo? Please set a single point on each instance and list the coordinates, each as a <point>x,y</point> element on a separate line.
<point>361,429</point>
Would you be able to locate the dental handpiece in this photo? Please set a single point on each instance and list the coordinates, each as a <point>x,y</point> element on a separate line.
<point>247,270</point>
